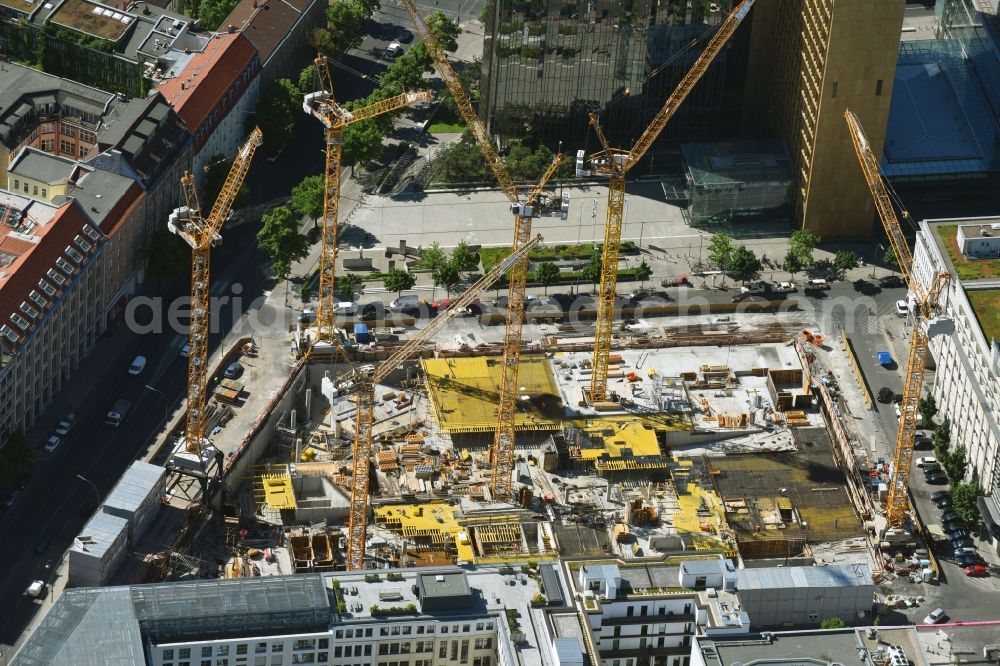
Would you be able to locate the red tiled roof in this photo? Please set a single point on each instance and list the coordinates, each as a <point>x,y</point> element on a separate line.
<point>201,86</point>
<point>23,274</point>
<point>266,22</point>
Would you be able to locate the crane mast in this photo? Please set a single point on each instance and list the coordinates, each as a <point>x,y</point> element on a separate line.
<point>616,163</point>
<point>363,381</point>
<point>502,450</point>
<point>322,105</point>
<point>202,234</point>
<point>897,501</point>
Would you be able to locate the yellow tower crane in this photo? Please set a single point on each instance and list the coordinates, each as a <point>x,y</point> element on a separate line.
<point>202,234</point>
<point>335,118</point>
<point>616,163</point>
<point>502,451</point>
<point>363,380</point>
<point>926,309</point>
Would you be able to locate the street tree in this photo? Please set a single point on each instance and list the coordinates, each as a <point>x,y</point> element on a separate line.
<point>792,263</point>
<point>464,258</point>
<point>744,264</point>
<point>280,239</point>
<point>347,285</point>
<point>17,451</point>
<point>941,437</point>
<point>642,272</point>
<point>342,32</point>
<point>398,280</point>
<point>432,257</point>
<point>720,250</point>
<point>547,274</point>
<point>802,243</point>
<point>846,260</point>
<point>307,82</point>
<point>277,112</point>
<point>168,255</point>
<point>927,407</point>
<point>446,275</point>
<point>955,465</point>
<point>307,197</point>
<point>211,13</point>
<point>444,30</point>
<point>462,162</point>
<point>591,271</point>
<point>964,498</point>
<point>890,258</point>
<point>362,142</point>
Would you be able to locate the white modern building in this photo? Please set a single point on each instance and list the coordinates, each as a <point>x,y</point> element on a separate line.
<point>967,376</point>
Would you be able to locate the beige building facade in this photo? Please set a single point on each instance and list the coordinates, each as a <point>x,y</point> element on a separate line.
<point>809,61</point>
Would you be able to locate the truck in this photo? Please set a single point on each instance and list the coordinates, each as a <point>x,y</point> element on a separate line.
<point>118,413</point>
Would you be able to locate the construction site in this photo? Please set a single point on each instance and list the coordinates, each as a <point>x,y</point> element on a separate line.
<point>530,440</point>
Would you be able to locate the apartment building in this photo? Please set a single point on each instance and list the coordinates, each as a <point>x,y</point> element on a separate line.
<point>967,362</point>
<point>411,617</point>
<point>214,94</point>
<point>808,62</point>
<point>50,285</point>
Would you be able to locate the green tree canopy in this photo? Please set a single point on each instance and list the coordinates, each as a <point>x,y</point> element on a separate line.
<point>280,239</point>
<point>432,257</point>
<point>168,255</point>
<point>17,451</point>
<point>211,13</point>
<point>846,260</point>
<point>591,272</point>
<point>362,142</point>
<point>792,263</point>
<point>277,112</point>
<point>526,164</point>
<point>963,499</point>
<point>444,30</point>
<point>462,162</point>
<point>347,285</point>
<point>927,407</point>
<point>547,274</point>
<point>215,176</point>
<point>802,243</point>
<point>398,280</point>
<point>307,197</point>
<point>720,250</point>
<point>307,82</point>
<point>941,436</point>
<point>890,258</point>
<point>344,20</point>
<point>744,264</point>
<point>463,258</point>
<point>955,464</point>
<point>446,275</point>
<point>642,271</point>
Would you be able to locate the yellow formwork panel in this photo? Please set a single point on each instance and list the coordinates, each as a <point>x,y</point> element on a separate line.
<point>437,521</point>
<point>278,491</point>
<point>464,393</point>
<point>701,514</point>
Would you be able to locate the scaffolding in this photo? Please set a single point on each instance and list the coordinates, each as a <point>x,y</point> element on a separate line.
<point>736,179</point>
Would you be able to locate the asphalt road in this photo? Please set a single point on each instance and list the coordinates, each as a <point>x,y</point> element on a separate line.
<point>51,507</point>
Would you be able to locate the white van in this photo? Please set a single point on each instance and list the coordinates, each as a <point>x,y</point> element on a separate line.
<point>344,308</point>
<point>395,49</point>
<point>138,364</point>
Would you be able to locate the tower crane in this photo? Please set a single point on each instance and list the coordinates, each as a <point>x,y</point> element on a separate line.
<point>926,308</point>
<point>335,118</point>
<point>202,234</point>
<point>502,450</point>
<point>363,381</point>
<point>616,163</point>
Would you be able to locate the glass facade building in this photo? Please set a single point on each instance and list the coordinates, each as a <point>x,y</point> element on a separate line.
<point>547,64</point>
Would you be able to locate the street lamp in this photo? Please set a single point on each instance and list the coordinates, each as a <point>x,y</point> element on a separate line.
<point>166,404</point>
<point>97,493</point>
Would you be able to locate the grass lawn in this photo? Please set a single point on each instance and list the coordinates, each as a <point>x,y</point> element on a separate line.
<point>446,122</point>
<point>491,256</point>
<point>966,269</point>
<point>445,128</point>
<point>986,304</point>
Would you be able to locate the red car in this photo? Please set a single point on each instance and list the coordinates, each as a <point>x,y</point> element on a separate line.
<point>681,281</point>
<point>977,571</point>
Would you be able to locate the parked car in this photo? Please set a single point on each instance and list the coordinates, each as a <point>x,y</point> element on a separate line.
<point>36,589</point>
<point>935,616</point>
<point>404,36</point>
<point>52,444</point>
<point>758,287</point>
<point>922,443</point>
<point>233,370</point>
<point>926,460</point>
<point>902,308</point>
<point>11,498</point>
<point>940,494</point>
<point>186,350</point>
<point>976,571</point>
<point>784,287</point>
<point>948,516</point>
<point>816,284</point>
<point>965,559</point>
<point>943,504</point>
<point>395,49</point>
<point>369,311</point>
<point>680,281</point>
<point>938,479</point>
<point>885,394</point>
<point>958,535</point>
<point>345,308</point>
<point>891,282</point>
<point>138,363</point>
<point>307,316</point>
<point>64,426</point>
<point>953,526</point>
<point>963,542</point>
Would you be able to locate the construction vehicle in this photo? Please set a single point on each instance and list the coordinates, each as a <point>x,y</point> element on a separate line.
<point>926,310</point>
<point>502,450</point>
<point>616,163</point>
<point>201,234</point>
<point>322,105</point>
<point>116,415</point>
<point>362,382</point>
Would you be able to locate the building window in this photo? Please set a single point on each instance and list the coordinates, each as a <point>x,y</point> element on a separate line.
<point>48,145</point>
<point>64,266</point>
<point>241,648</point>
<point>83,150</point>
<point>88,136</point>
<point>19,321</point>
<point>90,233</point>
<point>222,651</point>
<point>55,277</point>
<point>8,333</point>
<point>834,89</point>
<point>45,193</point>
<point>66,146</point>
<point>28,310</point>
<point>34,190</point>
<point>305,644</point>
<point>878,88</point>
<point>73,254</point>
<point>25,187</point>
<point>17,183</point>
<point>168,653</point>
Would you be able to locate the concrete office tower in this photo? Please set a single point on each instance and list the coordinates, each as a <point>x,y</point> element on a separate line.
<point>809,60</point>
